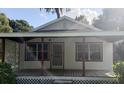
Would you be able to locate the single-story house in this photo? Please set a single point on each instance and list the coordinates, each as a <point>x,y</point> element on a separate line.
<point>62,44</point>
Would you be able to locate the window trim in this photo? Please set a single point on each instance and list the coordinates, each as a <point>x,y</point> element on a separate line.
<point>37,50</point>
<point>88,43</point>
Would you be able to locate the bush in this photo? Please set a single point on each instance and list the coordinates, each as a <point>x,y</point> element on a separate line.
<point>6,74</point>
<point>119,71</point>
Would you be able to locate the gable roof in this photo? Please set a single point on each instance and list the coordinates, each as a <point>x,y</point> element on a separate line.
<point>69,20</point>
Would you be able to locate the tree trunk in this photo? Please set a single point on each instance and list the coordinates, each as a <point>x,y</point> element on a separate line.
<point>57,12</point>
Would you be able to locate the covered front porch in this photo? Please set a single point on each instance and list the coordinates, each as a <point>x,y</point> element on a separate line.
<point>66,73</point>
<point>63,72</point>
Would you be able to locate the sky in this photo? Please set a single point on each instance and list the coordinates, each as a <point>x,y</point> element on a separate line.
<point>35,17</point>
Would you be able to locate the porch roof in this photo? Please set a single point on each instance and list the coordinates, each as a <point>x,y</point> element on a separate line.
<point>111,36</point>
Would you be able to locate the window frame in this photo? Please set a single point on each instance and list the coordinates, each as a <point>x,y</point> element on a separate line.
<point>89,52</point>
<point>37,50</point>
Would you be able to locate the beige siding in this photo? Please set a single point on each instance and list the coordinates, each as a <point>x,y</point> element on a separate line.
<point>11,52</point>
<point>70,62</point>
<point>69,55</point>
<point>66,24</point>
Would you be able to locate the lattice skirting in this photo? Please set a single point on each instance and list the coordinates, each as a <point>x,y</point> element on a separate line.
<point>65,80</point>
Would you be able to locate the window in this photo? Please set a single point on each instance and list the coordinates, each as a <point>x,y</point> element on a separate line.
<point>79,53</point>
<point>36,51</point>
<point>96,52</point>
<point>92,51</point>
<point>43,48</point>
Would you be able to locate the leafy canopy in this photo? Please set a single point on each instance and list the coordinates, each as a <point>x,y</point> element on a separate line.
<point>57,11</point>
<point>82,19</point>
<point>111,19</point>
<point>4,24</point>
<point>20,25</point>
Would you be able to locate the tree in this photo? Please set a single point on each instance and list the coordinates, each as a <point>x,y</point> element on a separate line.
<point>118,69</point>
<point>20,25</point>
<point>112,19</point>
<point>57,11</point>
<point>7,75</point>
<point>82,19</point>
<point>4,24</point>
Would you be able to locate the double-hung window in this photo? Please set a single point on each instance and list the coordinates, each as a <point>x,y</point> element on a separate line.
<point>91,51</point>
<point>43,51</point>
<point>36,51</point>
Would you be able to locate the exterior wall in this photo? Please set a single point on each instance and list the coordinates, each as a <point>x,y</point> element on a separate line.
<point>69,55</point>
<point>106,64</point>
<point>31,64</point>
<point>11,53</point>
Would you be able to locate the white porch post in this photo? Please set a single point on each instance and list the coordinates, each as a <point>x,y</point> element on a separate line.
<point>42,55</point>
<point>83,58</point>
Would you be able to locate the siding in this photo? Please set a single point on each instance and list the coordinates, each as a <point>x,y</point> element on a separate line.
<point>69,55</point>
<point>10,52</point>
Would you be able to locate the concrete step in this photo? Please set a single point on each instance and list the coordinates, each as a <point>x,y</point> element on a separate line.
<point>61,81</point>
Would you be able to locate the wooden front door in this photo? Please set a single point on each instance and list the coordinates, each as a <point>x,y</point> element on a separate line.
<point>57,56</point>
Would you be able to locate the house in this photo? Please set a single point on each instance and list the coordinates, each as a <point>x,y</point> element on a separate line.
<point>62,44</point>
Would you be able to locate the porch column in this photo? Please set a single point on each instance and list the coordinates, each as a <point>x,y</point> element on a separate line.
<point>42,55</point>
<point>19,51</point>
<point>3,49</point>
<point>83,57</point>
<point>50,51</point>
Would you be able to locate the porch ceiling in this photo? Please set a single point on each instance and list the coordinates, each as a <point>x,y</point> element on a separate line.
<point>111,36</point>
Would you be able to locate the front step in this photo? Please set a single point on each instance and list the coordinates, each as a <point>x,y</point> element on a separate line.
<point>64,80</point>
<point>61,81</point>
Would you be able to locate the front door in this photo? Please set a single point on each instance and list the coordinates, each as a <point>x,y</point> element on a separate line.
<point>57,55</point>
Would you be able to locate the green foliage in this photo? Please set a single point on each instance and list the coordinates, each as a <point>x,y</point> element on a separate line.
<point>7,25</point>
<point>118,68</point>
<point>82,19</point>
<point>5,29</point>
<point>118,51</point>
<point>111,19</point>
<point>6,74</point>
<point>4,24</point>
<point>20,25</point>
<point>57,11</point>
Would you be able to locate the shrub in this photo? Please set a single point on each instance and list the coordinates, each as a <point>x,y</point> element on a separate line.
<point>118,68</point>
<point>6,74</point>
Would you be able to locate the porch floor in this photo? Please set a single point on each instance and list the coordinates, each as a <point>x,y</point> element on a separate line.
<point>74,73</point>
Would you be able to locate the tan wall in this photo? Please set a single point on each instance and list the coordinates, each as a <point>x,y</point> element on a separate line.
<point>106,64</point>
<point>11,53</point>
<point>69,55</point>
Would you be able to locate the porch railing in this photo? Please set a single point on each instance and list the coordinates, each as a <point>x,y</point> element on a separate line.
<point>64,80</point>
